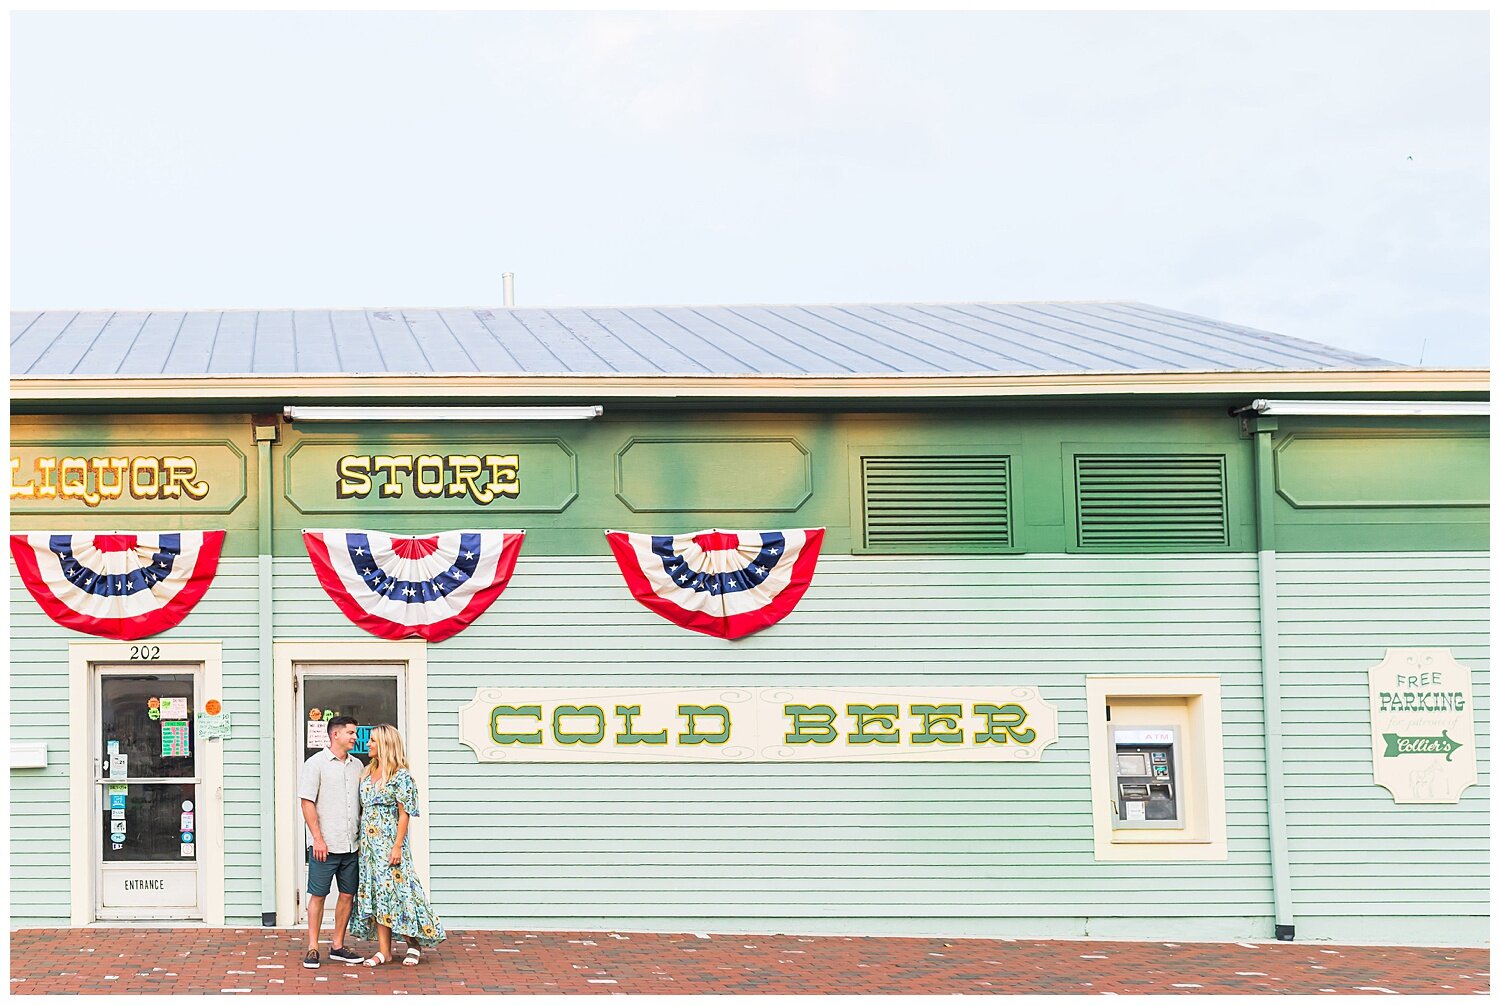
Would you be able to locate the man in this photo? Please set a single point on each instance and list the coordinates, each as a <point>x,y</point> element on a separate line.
<point>329,789</point>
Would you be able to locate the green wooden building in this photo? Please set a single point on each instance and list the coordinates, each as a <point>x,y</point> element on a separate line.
<point>1218,569</point>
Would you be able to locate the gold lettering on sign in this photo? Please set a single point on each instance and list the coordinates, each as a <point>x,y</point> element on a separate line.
<point>482,479</point>
<point>354,477</point>
<point>46,467</point>
<point>92,480</point>
<point>427,477</point>
<point>178,479</point>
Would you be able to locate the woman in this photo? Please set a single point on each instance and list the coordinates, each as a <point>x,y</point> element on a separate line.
<point>390,897</point>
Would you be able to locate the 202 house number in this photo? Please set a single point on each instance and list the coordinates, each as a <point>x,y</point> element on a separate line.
<point>145,652</point>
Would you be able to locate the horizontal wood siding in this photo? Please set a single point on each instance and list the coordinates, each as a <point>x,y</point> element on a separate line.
<point>1362,866</point>
<point>1001,849</point>
<point>983,848</point>
<point>39,808</point>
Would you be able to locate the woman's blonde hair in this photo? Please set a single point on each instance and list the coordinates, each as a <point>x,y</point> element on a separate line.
<point>387,753</point>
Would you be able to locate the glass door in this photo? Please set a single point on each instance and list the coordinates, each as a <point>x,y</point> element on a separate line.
<point>146,794</point>
<point>373,694</point>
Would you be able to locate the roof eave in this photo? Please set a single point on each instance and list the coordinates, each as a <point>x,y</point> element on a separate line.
<point>396,387</point>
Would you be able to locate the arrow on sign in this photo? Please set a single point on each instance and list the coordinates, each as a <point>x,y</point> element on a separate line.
<point>1396,745</point>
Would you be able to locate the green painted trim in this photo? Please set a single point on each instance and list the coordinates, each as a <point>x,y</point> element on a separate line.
<point>1288,439</point>
<point>1265,532</point>
<point>1033,438</point>
<point>267,688</point>
<point>725,443</point>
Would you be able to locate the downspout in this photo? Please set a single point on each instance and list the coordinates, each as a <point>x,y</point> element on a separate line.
<point>1262,429</point>
<point>1258,421</point>
<point>266,428</point>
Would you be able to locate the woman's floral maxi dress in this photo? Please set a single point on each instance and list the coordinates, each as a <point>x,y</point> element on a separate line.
<point>390,895</point>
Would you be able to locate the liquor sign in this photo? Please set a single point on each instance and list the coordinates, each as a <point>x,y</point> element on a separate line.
<point>1422,726</point>
<point>201,476</point>
<point>768,724</point>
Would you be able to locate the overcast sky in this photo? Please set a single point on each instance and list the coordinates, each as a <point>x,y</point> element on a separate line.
<point>1323,176</point>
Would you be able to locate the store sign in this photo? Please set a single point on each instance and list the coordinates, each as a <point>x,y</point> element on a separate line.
<point>1422,726</point>
<point>342,474</point>
<point>1002,723</point>
<point>203,477</point>
<point>429,476</point>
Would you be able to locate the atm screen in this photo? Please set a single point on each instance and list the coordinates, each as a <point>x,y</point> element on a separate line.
<point>1132,764</point>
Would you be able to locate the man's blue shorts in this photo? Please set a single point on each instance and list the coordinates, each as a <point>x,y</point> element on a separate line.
<point>344,865</point>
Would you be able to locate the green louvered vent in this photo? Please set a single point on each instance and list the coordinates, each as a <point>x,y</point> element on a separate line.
<point>941,503</point>
<point>1151,501</point>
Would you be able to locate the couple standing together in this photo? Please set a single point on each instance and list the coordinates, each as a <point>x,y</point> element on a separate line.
<point>358,818</point>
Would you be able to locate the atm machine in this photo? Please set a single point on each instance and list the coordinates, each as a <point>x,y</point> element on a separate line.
<point>1145,784</point>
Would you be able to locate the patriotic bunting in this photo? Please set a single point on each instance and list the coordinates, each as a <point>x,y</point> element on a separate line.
<point>397,587</point>
<point>119,586</point>
<point>722,583</point>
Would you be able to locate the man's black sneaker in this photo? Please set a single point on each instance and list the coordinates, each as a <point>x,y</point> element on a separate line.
<point>310,961</point>
<point>343,955</point>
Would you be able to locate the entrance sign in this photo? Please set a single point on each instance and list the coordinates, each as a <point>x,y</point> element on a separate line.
<point>119,586</point>
<point>396,587</point>
<point>1422,726</point>
<point>721,583</point>
<point>150,893</point>
<point>770,724</point>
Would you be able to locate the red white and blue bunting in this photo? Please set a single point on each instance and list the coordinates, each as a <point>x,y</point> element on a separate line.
<point>119,586</point>
<point>722,583</point>
<point>396,587</point>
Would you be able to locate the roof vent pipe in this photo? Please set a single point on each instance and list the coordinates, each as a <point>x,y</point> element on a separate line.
<point>509,279</point>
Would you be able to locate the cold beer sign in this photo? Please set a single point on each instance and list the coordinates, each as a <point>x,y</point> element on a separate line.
<point>1005,723</point>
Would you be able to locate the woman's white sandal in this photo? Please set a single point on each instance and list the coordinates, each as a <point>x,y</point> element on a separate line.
<point>413,957</point>
<point>376,959</point>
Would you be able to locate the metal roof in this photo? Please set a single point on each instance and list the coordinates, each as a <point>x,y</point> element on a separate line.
<point>780,340</point>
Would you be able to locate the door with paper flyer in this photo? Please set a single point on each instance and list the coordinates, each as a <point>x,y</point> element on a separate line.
<point>371,692</point>
<point>147,786</point>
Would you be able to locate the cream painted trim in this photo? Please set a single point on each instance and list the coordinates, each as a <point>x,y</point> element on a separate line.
<point>81,658</point>
<point>289,872</point>
<point>1194,701</point>
<point>331,388</point>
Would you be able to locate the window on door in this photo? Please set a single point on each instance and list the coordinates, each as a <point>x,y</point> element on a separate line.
<point>372,698</point>
<point>147,743</point>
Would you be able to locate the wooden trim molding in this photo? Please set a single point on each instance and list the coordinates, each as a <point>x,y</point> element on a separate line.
<point>327,388</point>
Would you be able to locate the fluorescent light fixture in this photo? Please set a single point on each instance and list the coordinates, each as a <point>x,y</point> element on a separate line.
<point>1264,406</point>
<point>395,413</point>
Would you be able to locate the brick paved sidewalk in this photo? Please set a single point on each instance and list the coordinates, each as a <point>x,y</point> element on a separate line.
<point>252,960</point>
